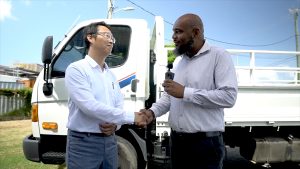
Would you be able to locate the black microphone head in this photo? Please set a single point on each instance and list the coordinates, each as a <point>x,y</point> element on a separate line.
<point>170,66</point>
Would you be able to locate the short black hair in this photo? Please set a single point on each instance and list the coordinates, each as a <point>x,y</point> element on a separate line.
<point>92,29</point>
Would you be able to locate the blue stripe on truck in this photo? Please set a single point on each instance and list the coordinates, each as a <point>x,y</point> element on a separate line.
<point>127,80</point>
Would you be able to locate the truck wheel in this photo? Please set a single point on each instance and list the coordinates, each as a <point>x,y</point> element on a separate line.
<point>127,154</point>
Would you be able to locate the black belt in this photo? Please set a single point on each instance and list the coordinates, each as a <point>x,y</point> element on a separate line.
<point>91,134</point>
<point>198,134</point>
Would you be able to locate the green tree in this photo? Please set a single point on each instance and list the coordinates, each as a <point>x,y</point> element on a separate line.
<point>24,93</point>
<point>171,55</point>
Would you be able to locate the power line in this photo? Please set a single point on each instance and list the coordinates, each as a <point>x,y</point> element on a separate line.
<point>285,60</point>
<point>151,13</point>
<point>215,40</point>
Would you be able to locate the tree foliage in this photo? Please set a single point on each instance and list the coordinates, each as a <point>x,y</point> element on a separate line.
<point>171,55</point>
<point>24,93</point>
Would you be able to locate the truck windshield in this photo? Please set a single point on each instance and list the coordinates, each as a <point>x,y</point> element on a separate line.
<point>75,50</point>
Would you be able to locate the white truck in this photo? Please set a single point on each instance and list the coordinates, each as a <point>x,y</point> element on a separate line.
<point>264,123</point>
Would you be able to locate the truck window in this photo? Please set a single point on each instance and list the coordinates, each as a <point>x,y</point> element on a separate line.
<point>75,50</point>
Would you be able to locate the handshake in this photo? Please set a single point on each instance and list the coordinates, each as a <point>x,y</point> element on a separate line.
<point>143,117</point>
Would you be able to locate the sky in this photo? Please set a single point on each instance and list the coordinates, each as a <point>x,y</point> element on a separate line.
<point>231,24</point>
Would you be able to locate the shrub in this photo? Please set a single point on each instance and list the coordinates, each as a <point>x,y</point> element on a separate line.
<point>24,111</point>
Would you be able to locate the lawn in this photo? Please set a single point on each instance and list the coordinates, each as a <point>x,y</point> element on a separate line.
<point>11,151</point>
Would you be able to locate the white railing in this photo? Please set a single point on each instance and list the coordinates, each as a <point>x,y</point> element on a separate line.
<point>266,68</point>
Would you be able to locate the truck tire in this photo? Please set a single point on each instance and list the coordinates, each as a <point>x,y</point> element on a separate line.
<point>126,154</point>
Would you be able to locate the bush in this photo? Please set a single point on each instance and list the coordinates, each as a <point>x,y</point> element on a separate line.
<point>171,55</point>
<point>23,112</point>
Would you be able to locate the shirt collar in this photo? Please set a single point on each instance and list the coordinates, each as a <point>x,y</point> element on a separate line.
<point>205,48</point>
<point>93,63</point>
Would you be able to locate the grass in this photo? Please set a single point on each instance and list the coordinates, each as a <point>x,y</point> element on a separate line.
<point>12,134</point>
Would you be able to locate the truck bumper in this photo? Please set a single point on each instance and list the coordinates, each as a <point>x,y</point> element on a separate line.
<point>31,148</point>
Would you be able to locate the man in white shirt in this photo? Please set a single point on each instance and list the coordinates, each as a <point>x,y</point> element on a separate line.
<point>95,105</point>
<point>204,84</point>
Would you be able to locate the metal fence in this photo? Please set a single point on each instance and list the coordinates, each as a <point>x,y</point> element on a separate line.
<point>10,103</point>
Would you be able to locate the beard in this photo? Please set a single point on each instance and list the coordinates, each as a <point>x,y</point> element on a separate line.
<point>184,49</point>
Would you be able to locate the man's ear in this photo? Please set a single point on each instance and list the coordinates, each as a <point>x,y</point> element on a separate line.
<point>196,32</point>
<point>89,37</point>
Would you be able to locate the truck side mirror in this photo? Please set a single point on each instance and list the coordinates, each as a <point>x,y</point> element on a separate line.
<point>46,59</point>
<point>134,85</point>
<point>47,50</point>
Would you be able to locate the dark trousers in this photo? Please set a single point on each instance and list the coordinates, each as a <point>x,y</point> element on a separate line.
<point>197,151</point>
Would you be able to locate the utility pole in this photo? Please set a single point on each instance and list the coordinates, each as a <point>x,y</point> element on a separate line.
<point>110,8</point>
<point>295,12</point>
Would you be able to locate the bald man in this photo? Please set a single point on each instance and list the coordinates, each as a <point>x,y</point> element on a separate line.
<point>204,84</point>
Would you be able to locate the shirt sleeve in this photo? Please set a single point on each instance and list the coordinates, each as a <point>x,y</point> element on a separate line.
<point>80,92</point>
<point>162,106</point>
<point>225,93</point>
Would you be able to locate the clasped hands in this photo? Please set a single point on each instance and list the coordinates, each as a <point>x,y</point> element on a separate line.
<point>143,117</point>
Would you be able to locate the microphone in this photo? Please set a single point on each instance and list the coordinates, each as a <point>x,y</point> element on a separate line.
<point>169,74</point>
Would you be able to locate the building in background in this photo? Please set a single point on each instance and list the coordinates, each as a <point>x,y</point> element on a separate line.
<point>11,77</point>
<point>17,77</point>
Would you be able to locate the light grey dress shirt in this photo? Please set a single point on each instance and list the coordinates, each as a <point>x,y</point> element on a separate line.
<point>210,84</point>
<point>94,97</point>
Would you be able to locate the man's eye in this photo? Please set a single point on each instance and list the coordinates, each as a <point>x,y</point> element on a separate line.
<point>177,32</point>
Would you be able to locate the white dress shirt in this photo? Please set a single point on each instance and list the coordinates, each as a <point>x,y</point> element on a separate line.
<point>210,84</point>
<point>94,97</point>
